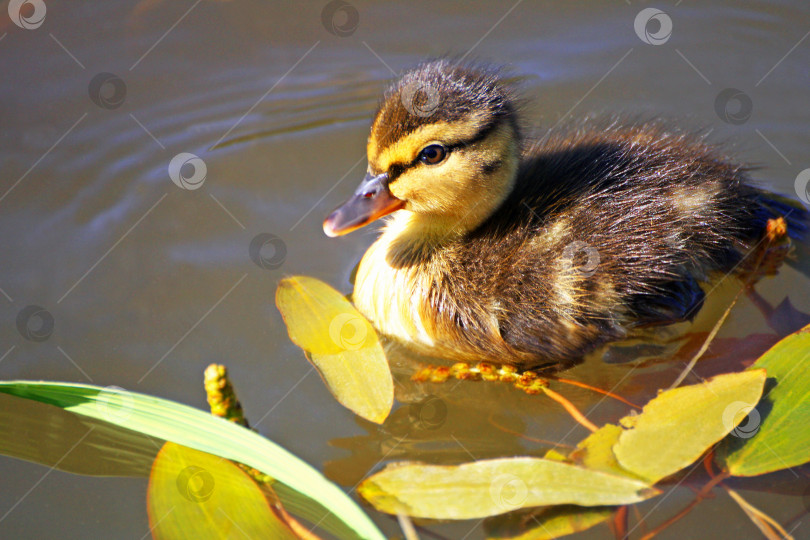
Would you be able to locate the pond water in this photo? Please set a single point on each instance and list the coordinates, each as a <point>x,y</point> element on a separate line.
<point>148,283</point>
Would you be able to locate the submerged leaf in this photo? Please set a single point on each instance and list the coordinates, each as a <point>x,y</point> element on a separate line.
<point>546,523</point>
<point>171,421</point>
<point>194,494</point>
<point>496,486</point>
<point>775,434</point>
<point>679,425</point>
<point>340,342</point>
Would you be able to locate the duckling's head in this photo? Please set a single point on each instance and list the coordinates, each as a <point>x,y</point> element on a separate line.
<point>444,146</point>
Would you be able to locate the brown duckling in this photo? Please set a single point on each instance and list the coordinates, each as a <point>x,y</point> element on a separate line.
<point>534,254</point>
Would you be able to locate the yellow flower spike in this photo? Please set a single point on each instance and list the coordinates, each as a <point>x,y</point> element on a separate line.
<point>460,370</point>
<point>526,378</point>
<point>440,374</point>
<point>224,404</point>
<point>488,371</point>
<point>221,395</point>
<point>770,253</point>
<point>508,374</point>
<point>423,375</point>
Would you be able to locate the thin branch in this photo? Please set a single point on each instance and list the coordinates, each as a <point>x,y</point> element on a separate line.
<point>768,526</point>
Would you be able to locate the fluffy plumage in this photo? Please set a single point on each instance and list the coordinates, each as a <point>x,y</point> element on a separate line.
<point>535,254</point>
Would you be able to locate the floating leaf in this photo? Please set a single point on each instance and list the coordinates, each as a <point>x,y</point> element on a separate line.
<point>679,425</point>
<point>489,487</point>
<point>196,429</point>
<point>775,435</point>
<point>341,344</point>
<point>194,494</point>
<point>596,451</point>
<point>546,523</point>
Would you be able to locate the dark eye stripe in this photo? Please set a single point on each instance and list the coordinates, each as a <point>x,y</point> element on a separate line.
<point>396,169</point>
<point>482,133</point>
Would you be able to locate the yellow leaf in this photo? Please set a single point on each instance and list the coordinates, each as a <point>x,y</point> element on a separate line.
<point>596,451</point>
<point>340,343</point>
<point>495,486</point>
<point>679,425</point>
<point>197,495</point>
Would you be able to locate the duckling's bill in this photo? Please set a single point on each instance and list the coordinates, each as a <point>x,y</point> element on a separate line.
<point>372,200</point>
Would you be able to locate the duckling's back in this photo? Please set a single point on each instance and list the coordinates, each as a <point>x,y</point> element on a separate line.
<point>607,228</point>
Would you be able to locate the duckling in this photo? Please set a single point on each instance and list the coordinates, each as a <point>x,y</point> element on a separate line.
<point>534,254</point>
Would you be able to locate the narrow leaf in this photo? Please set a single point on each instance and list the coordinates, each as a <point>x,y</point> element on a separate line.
<point>55,438</point>
<point>679,425</point>
<point>196,429</point>
<point>340,343</point>
<point>490,487</point>
<point>775,434</point>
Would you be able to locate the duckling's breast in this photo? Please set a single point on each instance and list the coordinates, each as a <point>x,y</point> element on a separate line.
<point>391,296</point>
<point>412,291</point>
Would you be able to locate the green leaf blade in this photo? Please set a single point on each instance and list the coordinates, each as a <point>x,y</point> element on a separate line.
<point>775,436</point>
<point>199,430</point>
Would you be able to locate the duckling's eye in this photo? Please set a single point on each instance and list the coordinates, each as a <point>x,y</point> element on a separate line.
<point>433,154</point>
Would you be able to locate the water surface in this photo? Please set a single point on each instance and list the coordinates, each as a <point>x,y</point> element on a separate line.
<point>148,283</point>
